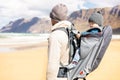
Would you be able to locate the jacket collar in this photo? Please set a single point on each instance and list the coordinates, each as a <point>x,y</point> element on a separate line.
<point>64,24</point>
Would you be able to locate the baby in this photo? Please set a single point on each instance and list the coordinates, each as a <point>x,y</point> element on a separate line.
<point>95,21</point>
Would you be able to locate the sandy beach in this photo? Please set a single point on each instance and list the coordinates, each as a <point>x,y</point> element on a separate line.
<point>28,62</point>
<point>109,68</point>
<point>24,64</point>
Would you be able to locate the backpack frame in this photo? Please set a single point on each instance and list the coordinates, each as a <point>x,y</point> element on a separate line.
<point>92,49</point>
<point>91,54</point>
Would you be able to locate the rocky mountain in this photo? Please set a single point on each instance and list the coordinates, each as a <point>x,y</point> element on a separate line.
<point>79,18</point>
<point>111,17</point>
<point>32,25</point>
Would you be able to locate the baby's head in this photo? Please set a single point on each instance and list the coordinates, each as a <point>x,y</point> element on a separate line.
<point>96,20</point>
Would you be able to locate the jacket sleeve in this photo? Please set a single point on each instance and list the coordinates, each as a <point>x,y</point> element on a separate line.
<point>53,57</point>
<point>54,48</point>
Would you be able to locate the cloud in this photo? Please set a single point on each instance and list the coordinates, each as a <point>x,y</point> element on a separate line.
<point>103,3</point>
<point>34,7</point>
<point>14,9</point>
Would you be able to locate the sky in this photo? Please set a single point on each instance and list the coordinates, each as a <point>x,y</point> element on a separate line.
<point>11,10</point>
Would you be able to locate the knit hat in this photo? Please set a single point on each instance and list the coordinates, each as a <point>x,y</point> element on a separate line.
<point>59,12</point>
<point>96,18</point>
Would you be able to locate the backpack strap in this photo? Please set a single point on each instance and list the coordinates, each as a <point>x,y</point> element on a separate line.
<point>71,37</point>
<point>62,29</point>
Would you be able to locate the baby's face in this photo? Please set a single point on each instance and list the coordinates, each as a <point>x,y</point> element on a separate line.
<point>92,25</point>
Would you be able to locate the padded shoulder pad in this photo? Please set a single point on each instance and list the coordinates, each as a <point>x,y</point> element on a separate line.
<point>99,30</point>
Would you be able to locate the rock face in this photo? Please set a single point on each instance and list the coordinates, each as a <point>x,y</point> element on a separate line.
<point>111,17</point>
<point>79,18</point>
<point>33,25</point>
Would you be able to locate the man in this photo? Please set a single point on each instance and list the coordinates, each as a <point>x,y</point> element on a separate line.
<point>58,50</point>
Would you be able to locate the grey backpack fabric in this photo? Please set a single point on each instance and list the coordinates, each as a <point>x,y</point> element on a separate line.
<point>92,49</point>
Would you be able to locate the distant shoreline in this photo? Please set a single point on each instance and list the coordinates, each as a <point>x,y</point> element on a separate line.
<point>116,37</point>
<point>12,42</point>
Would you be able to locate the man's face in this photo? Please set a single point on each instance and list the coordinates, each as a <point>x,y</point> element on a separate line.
<point>53,21</point>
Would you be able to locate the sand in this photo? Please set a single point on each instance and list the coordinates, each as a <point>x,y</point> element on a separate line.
<point>109,68</point>
<point>26,63</point>
<point>29,63</point>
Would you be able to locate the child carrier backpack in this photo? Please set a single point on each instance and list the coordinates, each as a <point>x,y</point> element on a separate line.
<point>92,49</point>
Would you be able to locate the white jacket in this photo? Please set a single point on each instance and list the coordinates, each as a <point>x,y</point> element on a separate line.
<point>58,50</point>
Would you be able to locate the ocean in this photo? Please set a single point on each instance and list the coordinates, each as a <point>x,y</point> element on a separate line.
<point>12,39</point>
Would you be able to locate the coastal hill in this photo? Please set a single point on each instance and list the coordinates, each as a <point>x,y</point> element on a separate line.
<point>31,25</point>
<point>111,17</point>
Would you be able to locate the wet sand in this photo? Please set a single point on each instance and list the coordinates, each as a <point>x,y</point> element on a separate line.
<point>29,63</point>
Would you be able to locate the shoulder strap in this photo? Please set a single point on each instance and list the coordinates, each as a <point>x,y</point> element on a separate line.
<point>72,42</point>
<point>62,29</point>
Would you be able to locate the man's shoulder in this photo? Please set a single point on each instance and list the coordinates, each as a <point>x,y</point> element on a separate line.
<point>64,24</point>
